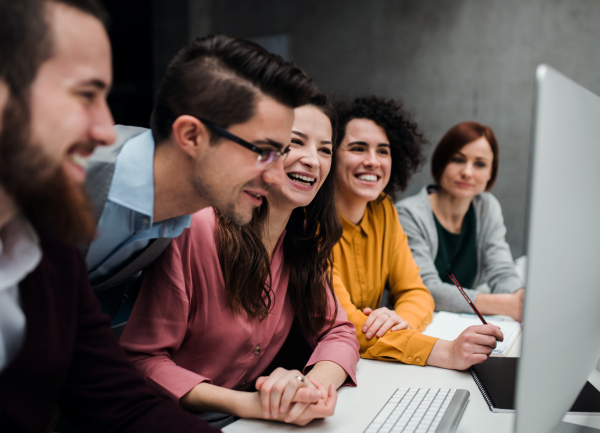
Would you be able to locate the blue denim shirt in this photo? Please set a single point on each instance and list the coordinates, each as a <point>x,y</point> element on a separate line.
<point>125,227</point>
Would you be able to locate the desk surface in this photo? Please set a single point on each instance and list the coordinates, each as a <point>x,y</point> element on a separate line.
<point>377,381</point>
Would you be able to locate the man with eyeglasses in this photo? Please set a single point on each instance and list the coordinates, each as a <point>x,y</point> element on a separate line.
<point>220,130</point>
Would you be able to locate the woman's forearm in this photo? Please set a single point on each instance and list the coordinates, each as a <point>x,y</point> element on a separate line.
<point>328,372</point>
<point>212,398</point>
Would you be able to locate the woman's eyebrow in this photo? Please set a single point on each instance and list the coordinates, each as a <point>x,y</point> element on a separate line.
<point>301,134</point>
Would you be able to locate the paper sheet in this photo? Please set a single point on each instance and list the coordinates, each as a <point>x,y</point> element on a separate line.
<point>448,326</point>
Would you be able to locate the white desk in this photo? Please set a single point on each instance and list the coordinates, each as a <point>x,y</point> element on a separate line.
<point>377,380</point>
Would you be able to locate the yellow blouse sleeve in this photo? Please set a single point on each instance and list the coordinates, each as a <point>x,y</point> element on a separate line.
<point>412,300</point>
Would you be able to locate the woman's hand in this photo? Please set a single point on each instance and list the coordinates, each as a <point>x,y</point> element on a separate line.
<point>281,388</point>
<point>322,409</point>
<point>471,347</point>
<point>381,321</point>
<point>502,303</point>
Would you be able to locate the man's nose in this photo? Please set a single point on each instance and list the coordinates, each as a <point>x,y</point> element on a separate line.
<point>103,126</point>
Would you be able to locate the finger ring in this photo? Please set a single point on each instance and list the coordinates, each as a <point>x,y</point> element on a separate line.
<point>387,314</point>
<point>302,379</point>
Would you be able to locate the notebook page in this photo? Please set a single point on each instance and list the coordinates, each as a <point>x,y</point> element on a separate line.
<point>448,326</point>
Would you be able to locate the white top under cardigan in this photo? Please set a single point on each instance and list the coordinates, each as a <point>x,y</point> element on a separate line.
<point>495,264</point>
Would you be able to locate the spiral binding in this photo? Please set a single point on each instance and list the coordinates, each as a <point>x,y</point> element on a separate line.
<point>484,392</point>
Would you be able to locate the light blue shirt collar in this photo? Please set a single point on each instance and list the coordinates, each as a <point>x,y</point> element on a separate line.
<point>133,180</point>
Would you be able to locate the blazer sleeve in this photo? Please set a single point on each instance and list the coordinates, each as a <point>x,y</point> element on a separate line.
<point>158,323</point>
<point>103,391</point>
<point>446,296</point>
<point>498,266</point>
<point>336,344</point>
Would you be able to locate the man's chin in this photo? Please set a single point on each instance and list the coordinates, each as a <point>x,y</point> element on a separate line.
<point>62,208</point>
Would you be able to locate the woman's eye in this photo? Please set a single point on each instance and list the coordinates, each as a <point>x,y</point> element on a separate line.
<point>357,149</point>
<point>326,150</point>
<point>480,164</point>
<point>457,160</point>
<point>383,152</point>
<point>297,141</point>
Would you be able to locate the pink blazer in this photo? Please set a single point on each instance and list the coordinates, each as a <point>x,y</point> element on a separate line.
<point>182,332</point>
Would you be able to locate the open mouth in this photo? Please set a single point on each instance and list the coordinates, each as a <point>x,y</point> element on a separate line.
<point>79,160</point>
<point>302,180</point>
<point>367,177</point>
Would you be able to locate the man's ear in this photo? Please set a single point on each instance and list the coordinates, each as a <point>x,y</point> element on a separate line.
<point>191,135</point>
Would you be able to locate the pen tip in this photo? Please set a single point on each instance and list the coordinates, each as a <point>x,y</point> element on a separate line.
<point>448,272</point>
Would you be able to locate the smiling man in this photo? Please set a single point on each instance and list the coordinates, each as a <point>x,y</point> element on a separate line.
<point>220,129</point>
<point>56,349</point>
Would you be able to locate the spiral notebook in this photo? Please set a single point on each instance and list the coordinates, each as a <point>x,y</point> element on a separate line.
<point>496,379</point>
<point>448,326</point>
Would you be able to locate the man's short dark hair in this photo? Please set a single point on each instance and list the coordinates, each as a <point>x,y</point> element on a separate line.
<point>218,78</point>
<point>22,32</point>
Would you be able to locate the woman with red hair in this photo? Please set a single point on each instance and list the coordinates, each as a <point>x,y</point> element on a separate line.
<point>457,224</point>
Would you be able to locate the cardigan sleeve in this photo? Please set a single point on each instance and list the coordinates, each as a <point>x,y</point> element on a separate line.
<point>498,266</point>
<point>158,323</point>
<point>446,296</point>
<point>337,344</point>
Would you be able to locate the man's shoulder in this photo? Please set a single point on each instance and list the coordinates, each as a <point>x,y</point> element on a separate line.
<point>108,154</point>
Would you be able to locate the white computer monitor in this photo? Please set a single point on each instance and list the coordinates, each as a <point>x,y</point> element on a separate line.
<point>561,334</point>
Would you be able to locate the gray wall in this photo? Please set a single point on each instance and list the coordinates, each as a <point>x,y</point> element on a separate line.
<point>449,61</point>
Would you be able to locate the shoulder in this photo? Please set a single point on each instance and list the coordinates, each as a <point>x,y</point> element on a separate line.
<point>201,233</point>
<point>486,205</point>
<point>415,204</point>
<point>381,208</point>
<point>108,154</point>
<point>60,261</point>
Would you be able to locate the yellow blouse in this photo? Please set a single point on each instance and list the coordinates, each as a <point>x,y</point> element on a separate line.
<point>374,255</point>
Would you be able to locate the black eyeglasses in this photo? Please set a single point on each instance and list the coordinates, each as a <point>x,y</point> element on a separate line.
<point>265,158</point>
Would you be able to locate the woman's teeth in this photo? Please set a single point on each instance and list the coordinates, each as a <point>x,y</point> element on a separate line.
<point>302,180</point>
<point>368,177</point>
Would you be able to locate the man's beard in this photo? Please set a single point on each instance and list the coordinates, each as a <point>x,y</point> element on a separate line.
<point>38,185</point>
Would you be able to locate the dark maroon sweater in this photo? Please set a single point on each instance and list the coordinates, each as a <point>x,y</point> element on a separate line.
<point>71,358</point>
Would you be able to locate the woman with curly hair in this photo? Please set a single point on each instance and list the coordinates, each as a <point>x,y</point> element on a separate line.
<point>380,148</point>
<point>226,309</point>
<point>457,224</point>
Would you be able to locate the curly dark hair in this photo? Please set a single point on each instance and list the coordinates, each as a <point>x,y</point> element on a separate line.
<point>407,141</point>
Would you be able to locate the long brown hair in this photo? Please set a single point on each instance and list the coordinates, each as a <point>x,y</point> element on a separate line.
<point>311,233</point>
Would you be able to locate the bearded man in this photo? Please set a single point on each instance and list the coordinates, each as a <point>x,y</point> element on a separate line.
<point>56,348</point>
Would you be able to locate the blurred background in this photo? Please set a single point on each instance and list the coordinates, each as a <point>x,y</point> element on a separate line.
<point>448,61</point>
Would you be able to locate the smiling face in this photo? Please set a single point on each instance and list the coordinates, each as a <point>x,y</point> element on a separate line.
<point>469,170</point>
<point>43,154</point>
<point>227,175</point>
<point>69,114</point>
<point>364,162</point>
<point>309,161</point>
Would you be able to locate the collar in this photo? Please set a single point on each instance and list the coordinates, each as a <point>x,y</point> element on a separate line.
<point>365,224</point>
<point>20,251</point>
<point>133,181</point>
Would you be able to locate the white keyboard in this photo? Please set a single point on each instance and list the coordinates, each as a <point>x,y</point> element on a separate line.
<point>421,410</point>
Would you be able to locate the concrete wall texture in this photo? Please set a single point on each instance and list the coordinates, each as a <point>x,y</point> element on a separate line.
<point>449,61</point>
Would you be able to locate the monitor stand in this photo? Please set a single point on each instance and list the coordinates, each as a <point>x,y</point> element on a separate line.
<point>567,427</point>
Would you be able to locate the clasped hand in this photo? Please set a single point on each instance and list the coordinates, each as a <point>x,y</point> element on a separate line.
<point>284,397</point>
<point>381,321</point>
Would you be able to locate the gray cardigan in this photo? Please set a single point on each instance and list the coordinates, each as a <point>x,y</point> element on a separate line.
<point>495,264</point>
